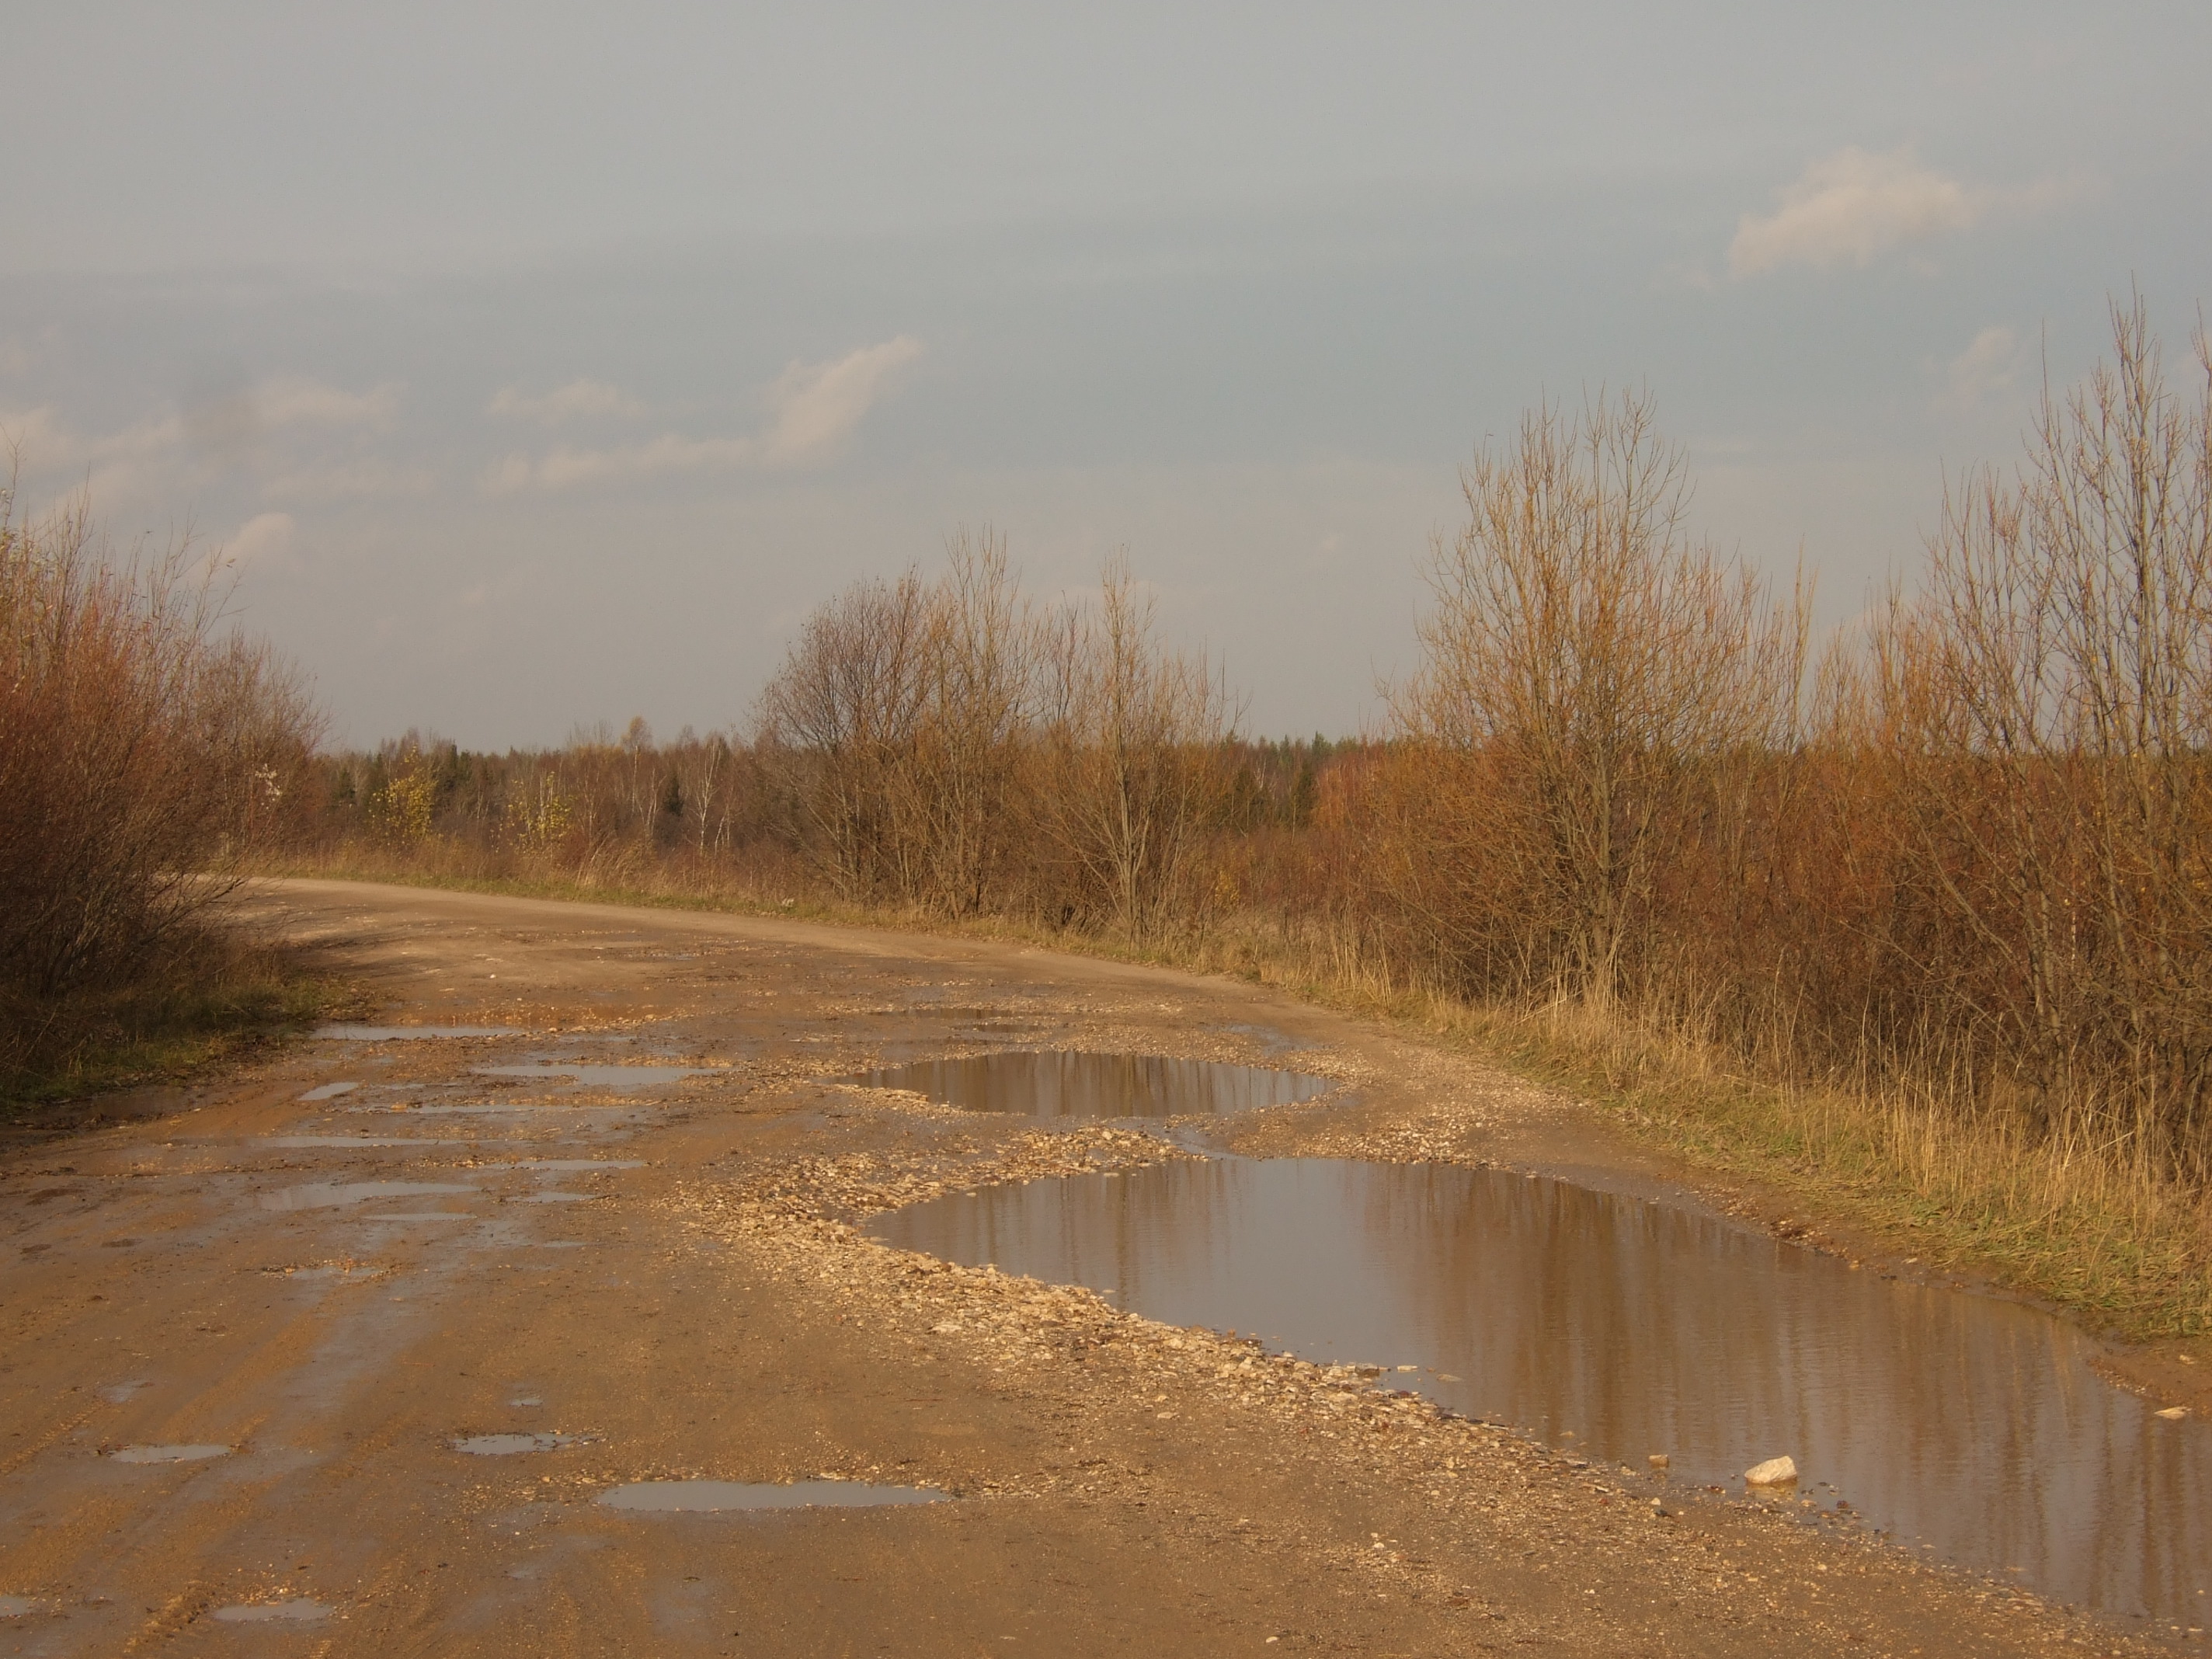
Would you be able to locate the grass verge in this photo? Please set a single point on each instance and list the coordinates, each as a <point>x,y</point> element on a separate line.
<point>2070,1223</point>
<point>213,998</point>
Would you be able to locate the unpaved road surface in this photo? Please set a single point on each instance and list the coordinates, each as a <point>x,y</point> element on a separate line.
<point>326,1298</point>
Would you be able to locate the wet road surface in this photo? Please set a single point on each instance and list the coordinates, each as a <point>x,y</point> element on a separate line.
<point>295,1367</point>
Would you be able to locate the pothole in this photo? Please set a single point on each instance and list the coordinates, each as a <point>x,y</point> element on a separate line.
<point>1051,1084</point>
<point>299,1611</point>
<point>174,1453</point>
<point>328,1194</point>
<point>716,1497</point>
<point>513,1445</point>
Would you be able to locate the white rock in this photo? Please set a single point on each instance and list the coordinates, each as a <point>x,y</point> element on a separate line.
<point>1774,1471</point>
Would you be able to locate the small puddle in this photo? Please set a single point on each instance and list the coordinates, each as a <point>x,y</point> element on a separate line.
<point>325,1194</point>
<point>410,1033</point>
<point>17,1606</point>
<point>511,1445</point>
<point>304,1141</point>
<point>503,1109</point>
<point>330,1090</point>
<point>714,1496</point>
<point>167,1454</point>
<point>421,1215</point>
<point>1051,1083</point>
<point>298,1612</point>
<point>620,1079</point>
<point>552,1164</point>
<point>1621,1328</point>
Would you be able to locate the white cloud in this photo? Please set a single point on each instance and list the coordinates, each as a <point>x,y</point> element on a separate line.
<point>817,409</point>
<point>291,401</point>
<point>817,405</point>
<point>578,400</point>
<point>1985,370</point>
<point>228,427</point>
<point>368,477</point>
<point>263,539</point>
<point>1849,209</point>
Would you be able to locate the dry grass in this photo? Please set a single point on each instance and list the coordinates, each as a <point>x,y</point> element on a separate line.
<point>2081,1223</point>
<point>1927,935</point>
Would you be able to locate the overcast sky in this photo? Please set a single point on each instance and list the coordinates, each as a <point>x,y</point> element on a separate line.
<point>539,365</point>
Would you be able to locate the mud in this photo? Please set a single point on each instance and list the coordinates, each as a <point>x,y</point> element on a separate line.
<point>1114,1483</point>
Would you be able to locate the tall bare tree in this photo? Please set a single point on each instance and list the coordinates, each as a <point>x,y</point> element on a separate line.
<point>1136,731</point>
<point>1587,663</point>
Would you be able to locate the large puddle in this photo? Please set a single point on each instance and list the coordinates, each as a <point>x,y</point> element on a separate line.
<point>1970,1428</point>
<point>1047,1083</point>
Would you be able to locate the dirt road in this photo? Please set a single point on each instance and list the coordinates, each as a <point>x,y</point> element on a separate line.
<point>252,1335</point>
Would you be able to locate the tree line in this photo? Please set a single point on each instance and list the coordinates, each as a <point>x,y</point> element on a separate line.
<point>1964,849</point>
<point>1960,853</point>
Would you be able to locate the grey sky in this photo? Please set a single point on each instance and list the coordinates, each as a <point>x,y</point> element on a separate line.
<point>543,365</point>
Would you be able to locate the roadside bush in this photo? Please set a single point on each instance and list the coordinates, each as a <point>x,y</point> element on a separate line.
<point>145,751</point>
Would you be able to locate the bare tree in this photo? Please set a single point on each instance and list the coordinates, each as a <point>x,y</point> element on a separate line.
<point>1136,733</point>
<point>143,750</point>
<point>1586,666</point>
<point>843,711</point>
<point>2047,699</point>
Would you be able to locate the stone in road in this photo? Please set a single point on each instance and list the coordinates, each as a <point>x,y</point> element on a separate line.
<point>404,1338</point>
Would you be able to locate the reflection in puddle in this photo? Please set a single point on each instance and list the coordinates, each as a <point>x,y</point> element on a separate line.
<point>1049,1083</point>
<point>410,1033</point>
<point>260,1613</point>
<point>17,1606</point>
<point>713,1497</point>
<point>620,1079</point>
<point>1971,1426</point>
<point>167,1454</point>
<point>330,1091</point>
<point>322,1194</point>
<point>508,1445</point>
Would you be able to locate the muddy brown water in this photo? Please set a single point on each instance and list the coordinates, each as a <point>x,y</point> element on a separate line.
<point>1049,1083</point>
<point>1970,1429</point>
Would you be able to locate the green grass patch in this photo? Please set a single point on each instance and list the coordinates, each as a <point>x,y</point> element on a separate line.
<point>215,1001</point>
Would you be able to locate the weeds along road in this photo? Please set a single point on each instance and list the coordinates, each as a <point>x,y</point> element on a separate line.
<point>253,1331</point>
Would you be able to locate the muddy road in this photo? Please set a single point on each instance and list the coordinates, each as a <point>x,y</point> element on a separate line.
<point>398,1345</point>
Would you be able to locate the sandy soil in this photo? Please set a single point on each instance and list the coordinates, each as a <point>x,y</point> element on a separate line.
<point>669,1280</point>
